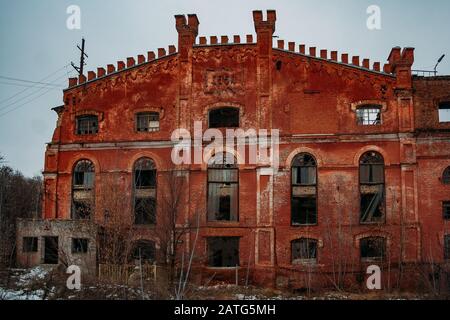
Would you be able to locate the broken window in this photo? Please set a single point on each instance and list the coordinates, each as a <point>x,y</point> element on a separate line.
<point>372,190</point>
<point>223,188</point>
<point>80,245</point>
<point>147,122</point>
<point>227,117</point>
<point>446,210</point>
<point>373,248</point>
<point>83,189</point>
<point>144,250</point>
<point>87,124</point>
<point>304,250</point>
<point>369,115</point>
<point>444,112</point>
<point>304,190</point>
<point>144,192</point>
<point>447,247</point>
<point>223,252</point>
<point>30,244</point>
<point>446,176</point>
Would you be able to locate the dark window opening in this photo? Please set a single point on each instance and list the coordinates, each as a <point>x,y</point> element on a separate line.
<point>144,211</point>
<point>147,122</point>
<point>373,248</point>
<point>446,210</point>
<point>447,247</point>
<point>223,189</point>
<point>223,252</point>
<point>446,176</point>
<point>278,65</point>
<point>84,174</point>
<point>51,250</point>
<point>304,170</point>
<point>80,245</point>
<point>30,244</point>
<point>81,210</point>
<point>444,112</point>
<point>304,211</point>
<point>87,125</point>
<point>224,118</point>
<point>368,115</point>
<point>371,168</point>
<point>372,207</point>
<point>144,174</point>
<point>304,250</point>
<point>144,250</point>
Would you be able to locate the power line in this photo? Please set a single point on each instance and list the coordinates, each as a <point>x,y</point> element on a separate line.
<point>22,91</point>
<point>28,86</point>
<point>27,81</point>
<point>29,95</point>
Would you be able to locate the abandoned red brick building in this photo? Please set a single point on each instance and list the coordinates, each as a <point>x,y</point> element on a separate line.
<point>364,161</point>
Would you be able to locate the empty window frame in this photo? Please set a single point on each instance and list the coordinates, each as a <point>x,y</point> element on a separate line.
<point>446,176</point>
<point>144,250</point>
<point>87,124</point>
<point>446,210</point>
<point>447,247</point>
<point>444,112</point>
<point>144,183</point>
<point>227,117</point>
<point>373,248</point>
<point>223,188</point>
<point>147,122</point>
<point>223,252</point>
<point>372,188</point>
<point>368,115</point>
<point>83,194</point>
<point>304,250</point>
<point>80,245</point>
<point>30,244</point>
<point>304,190</point>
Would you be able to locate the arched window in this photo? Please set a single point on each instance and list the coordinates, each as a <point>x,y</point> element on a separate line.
<point>227,117</point>
<point>83,189</point>
<point>144,183</point>
<point>368,115</point>
<point>223,188</point>
<point>144,251</point>
<point>304,250</point>
<point>304,190</point>
<point>446,176</point>
<point>371,184</point>
<point>373,248</point>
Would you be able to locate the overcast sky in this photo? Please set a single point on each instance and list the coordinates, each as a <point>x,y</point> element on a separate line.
<point>36,45</point>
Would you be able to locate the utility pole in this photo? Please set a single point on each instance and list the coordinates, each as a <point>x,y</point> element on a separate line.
<point>83,55</point>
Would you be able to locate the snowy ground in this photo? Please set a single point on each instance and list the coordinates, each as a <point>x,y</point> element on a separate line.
<point>20,288</point>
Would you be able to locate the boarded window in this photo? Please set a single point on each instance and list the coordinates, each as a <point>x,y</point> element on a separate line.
<point>224,118</point>
<point>444,112</point>
<point>30,244</point>
<point>80,245</point>
<point>144,211</point>
<point>373,248</point>
<point>223,189</point>
<point>223,252</point>
<point>446,210</point>
<point>372,188</point>
<point>304,250</point>
<point>87,124</point>
<point>144,250</point>
<point>369,115</point>
<point>304,190</point>
<point>147,122</point>
<point>446,176</point>
<point>447,247</point>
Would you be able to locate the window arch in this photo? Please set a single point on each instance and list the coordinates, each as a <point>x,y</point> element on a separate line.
<point>223,188</point>
<point>372,248</point>
<point>225,117</point>
<point>83,194</point>
<point>304,250</point>
<point>144,186</point>
<point>304,190</point>
<point>446,176</point>
<point>372,187</point>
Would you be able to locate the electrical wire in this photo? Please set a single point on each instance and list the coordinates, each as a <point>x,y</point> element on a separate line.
<point>28,86</point>
<point>27,81</point>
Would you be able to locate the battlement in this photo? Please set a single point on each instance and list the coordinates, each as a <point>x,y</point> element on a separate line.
<point>224,40</point>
